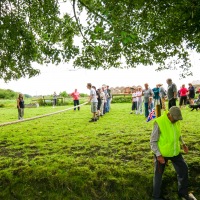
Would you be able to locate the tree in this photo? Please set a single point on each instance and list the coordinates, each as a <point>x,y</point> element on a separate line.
<point>33,31</point>
<point>115,33</point>
<point>63,94</point>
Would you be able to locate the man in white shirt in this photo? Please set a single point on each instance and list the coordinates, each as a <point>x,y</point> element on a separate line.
<point>94,102</point>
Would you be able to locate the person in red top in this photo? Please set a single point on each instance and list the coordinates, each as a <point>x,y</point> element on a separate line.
<point>183,95</point>
<point>75,95</point>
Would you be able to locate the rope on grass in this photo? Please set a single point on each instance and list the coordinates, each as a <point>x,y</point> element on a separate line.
<point>45,115</point>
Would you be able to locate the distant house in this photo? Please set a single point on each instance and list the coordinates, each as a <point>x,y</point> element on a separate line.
<point>196,84</point>
<point>122,90</point>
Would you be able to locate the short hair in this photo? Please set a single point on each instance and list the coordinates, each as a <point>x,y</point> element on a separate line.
<point>169,79</point>
<point>89,84</point>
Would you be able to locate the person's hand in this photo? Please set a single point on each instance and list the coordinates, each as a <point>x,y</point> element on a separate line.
<point>160,159</point>
<point>185,148</point>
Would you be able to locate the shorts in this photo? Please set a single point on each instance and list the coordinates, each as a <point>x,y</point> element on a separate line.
<point>93,107</point>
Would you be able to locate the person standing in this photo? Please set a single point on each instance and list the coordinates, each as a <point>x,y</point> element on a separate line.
<point>191,93</point>
<point>162,96</point>
<point>94,102</point>
<point>105,110</point>
<point>171,93</point>
<point>165,144</point>
<point>183,95</point>
<point>54,99</point>
<point>98,92</point>
<point>20,106</point>
<point>156,95</point>
<point>139,100</point>
<point>109,97</point>
<point>148,94</point>
<point>134,101</point>
<point>75,95</point>
<point>103,98</point>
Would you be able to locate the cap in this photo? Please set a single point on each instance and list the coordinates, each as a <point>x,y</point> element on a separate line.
<point>175,112</point>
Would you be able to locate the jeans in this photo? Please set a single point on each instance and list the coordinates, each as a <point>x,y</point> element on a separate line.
<point>182,175</point>
<point>146,109</point>
<point>76,103</point>
<point>108,105</point>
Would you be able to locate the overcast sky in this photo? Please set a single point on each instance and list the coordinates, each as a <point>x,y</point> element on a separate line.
<point>65,78</point>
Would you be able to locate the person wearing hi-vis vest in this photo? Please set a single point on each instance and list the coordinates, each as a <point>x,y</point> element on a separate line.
<point>165,143</point>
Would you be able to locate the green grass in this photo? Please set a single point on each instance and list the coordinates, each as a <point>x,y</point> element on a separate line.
<point>65,157</point>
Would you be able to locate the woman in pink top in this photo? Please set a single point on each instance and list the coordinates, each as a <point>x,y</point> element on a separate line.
<point>75,96</point>
<point>183,95</point>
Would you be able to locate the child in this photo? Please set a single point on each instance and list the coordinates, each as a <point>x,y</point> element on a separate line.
<point>134,101</point>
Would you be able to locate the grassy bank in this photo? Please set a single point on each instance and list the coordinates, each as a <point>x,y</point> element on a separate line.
<point>65,157</point>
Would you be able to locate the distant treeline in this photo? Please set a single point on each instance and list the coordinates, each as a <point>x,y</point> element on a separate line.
<point>10,94</point>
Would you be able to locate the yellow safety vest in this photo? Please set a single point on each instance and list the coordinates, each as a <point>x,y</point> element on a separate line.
<point>168,143</point>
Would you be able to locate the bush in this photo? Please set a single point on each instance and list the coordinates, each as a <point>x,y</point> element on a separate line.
<point>7,94</point>
<point>2,105</point>
<point>122,99</point>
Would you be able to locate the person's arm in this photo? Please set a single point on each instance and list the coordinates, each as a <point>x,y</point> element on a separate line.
<point>91,95</point>
<point>151,93</point>
<point>154,143</point>
<point>18,106</point>
<point>175,91</point>
<point>154,140</point>
<point>184,146</point>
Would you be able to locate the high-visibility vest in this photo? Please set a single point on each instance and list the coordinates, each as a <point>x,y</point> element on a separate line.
<point>168,143</point>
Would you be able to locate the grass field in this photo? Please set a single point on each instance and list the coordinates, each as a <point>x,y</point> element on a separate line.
<point>64,157</point>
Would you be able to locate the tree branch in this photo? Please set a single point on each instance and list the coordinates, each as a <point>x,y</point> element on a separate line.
<point>77,21</point>
<point>91,10</point>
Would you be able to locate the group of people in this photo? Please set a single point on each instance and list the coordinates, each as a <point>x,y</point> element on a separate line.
<point>158,96</point>
<point>166,138</point>
<point>100,100</point>
<point>186,94</point>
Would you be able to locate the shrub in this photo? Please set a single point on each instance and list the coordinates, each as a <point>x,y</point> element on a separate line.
<point>122,99</point>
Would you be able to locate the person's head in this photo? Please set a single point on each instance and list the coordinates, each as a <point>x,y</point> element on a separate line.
<point>75,90</point>
<point>139,88</point>
<point>146,85</point>
<point>20,96</point>
<point>169,81</point>
<point>89,85</point>
<point>159,85</point>
<point>183,85</point>
<point>94,87</point>
<point>107,86</point>
<point>174,114</point>
<point>190,84</point>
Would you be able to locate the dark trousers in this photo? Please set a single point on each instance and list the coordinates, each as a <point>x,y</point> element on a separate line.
<point>146,109</point>
<point>183,99</point>
<point>182,175</point>
<point>134,105</point>
<point>171,102</point>
<point>76,103</point>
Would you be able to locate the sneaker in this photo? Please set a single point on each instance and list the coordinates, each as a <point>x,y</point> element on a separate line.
<point>188,197</point>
